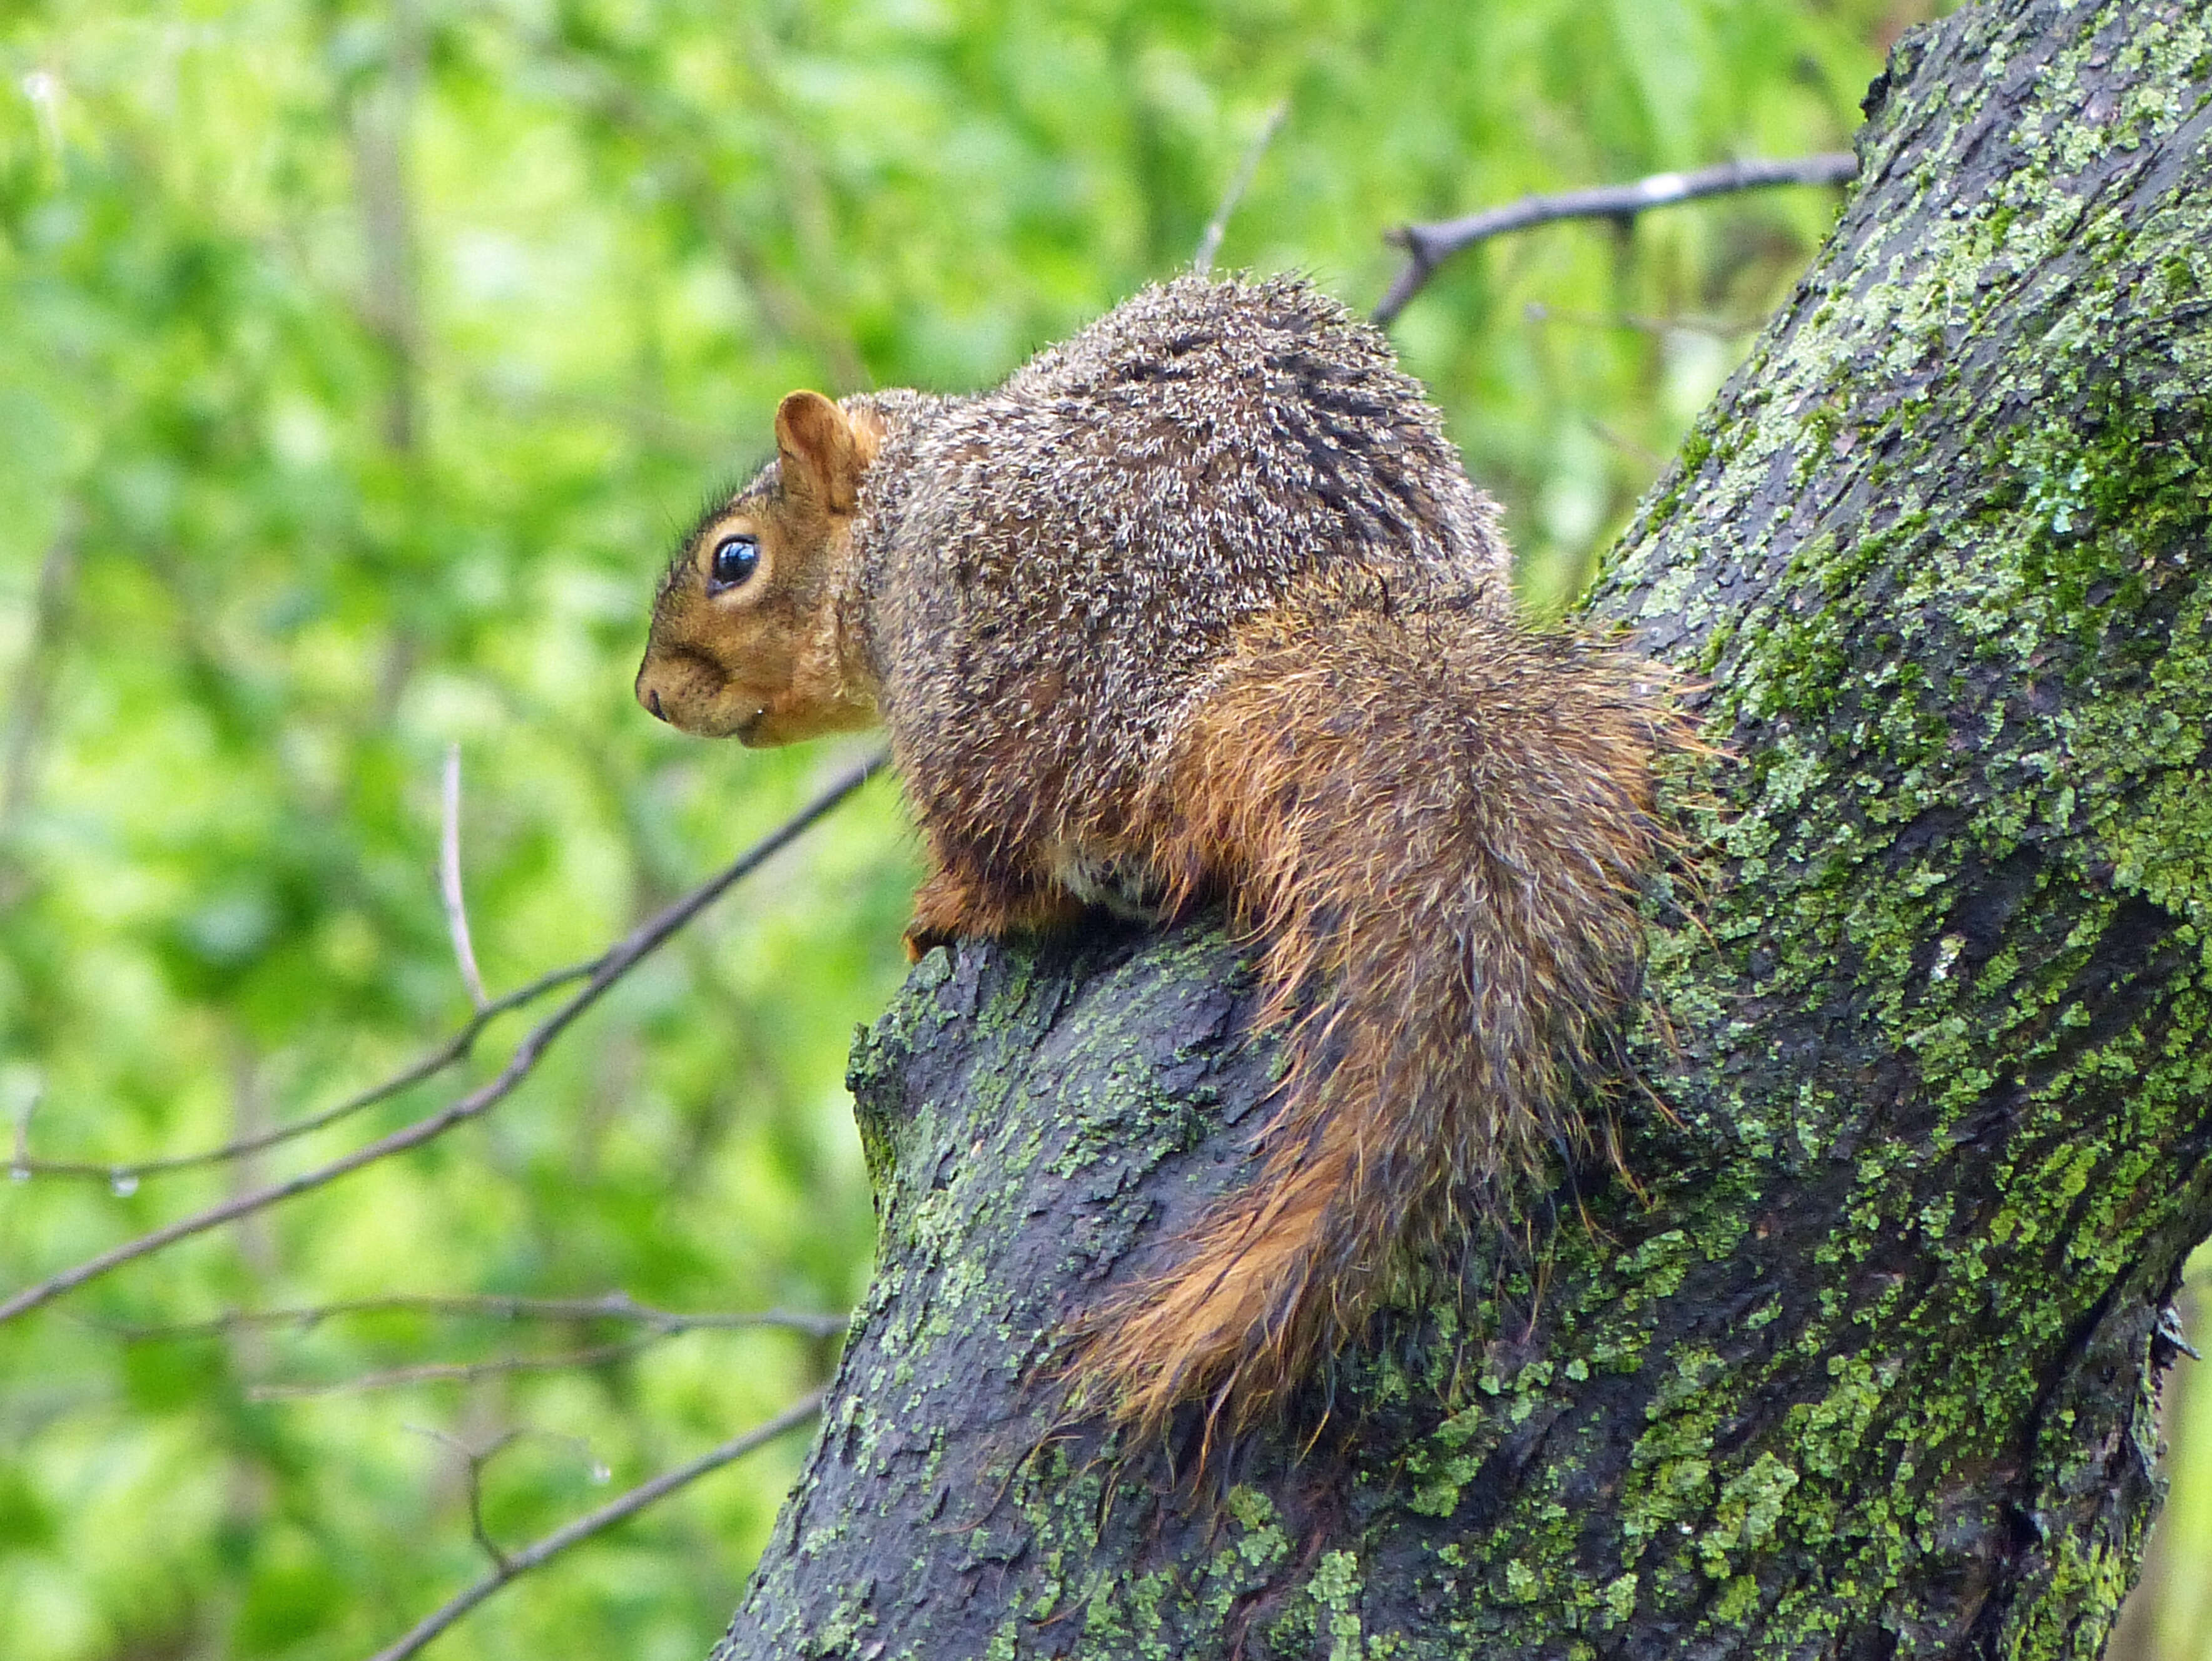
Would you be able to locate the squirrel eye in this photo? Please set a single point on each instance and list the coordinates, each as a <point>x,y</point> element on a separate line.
<point>735,558</point>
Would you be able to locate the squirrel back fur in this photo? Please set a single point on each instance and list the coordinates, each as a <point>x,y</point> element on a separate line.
<point>1201,605</point>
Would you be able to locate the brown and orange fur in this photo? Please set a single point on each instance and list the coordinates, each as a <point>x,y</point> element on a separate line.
<point>1202,606</point>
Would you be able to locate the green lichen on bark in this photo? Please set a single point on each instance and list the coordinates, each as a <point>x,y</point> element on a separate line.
<point>1865,1356</point>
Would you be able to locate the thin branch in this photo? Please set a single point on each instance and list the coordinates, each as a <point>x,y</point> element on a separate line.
<point>1649,457</point>
<point>608,1306</point>
<point>665,427</point>
<point>663,1324</point>
<point>474,1460</point>
<point>1428,245</point>
<point>618,1510</point>
<point>454,1048</point>
<point>380,115</point>
<point>41,662</point>
<point>24,1108</point>
<point>1209,244</point>
<point>788,308</point>
<point>449,880</point>
<point>1713,328</point>
<point>453,1372</point>
<point>477,1460</point>
<point>500,1561</point>
<point>610,967</point>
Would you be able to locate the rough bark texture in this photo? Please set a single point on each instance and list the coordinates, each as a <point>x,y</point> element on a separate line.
<point>1868,1365</point>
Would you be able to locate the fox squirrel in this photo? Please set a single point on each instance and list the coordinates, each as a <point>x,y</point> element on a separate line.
<point>1202,605</point>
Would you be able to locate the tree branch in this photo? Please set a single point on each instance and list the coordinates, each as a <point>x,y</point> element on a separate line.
<point>453,1373</point>
<point>380,116</point>
<point>449,879</point>
<point>608,1306</point>
<point>615,96</point>
<point>26,708</point>
<point>1428,245</point>
<point>605,970</point>
<point>513,1566</point>
<point>457,1047</point>
<point>1209,243</point>
<point>661,1324</point>
<point>1713,328</point>
<point>478,1459</point>
<point>1857,1351</point>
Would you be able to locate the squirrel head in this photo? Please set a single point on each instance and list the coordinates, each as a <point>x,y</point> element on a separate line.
<point>748,636</point>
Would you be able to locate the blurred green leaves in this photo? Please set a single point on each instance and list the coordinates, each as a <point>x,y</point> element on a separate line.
<point>357,365</point>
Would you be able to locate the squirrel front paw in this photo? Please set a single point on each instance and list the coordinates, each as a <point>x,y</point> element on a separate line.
<point>947,909</point>
<point>921,938</point>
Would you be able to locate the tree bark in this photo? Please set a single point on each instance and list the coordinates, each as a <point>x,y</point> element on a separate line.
<point>1862,1356</point>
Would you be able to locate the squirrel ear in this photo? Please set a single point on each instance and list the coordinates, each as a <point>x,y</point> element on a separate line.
<point>823,450</point>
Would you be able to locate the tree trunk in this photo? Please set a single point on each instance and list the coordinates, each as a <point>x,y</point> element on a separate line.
<point>1864,1359</point>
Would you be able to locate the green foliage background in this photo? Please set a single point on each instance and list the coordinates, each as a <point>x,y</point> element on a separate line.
<point>357,365</point>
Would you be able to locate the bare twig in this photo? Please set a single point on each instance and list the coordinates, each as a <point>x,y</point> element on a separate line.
<point>41,661</point>
<point>1209,244</point>
<point>1713,328</point>
<point>511,1566</point>
<point>481,1535</point>
<point>661,1324</point>
<point>1428,245</point>
<point>608,967</point>
<point>25,1106</point>
<point>665,427</point>
<point>35,674</point>
<point>473,1460</point>
<point>643,115</point>
<point>454,1048</point>
<point>453,1373</point>
<point>608,1306</point>
<point>477,1460</point>
<point>1620,441</point>
<point>449,879</point>
<point>380,114</point>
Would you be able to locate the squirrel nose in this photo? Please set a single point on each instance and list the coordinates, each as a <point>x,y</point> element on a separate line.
<point>650,698</point>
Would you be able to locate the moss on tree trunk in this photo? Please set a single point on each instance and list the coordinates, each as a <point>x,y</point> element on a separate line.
<point>1868,1365</point>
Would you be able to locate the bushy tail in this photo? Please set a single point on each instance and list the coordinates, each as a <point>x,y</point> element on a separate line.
<point>1436,823</point>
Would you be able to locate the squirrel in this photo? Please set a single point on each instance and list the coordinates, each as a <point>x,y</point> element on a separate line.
<point>1201,605</point>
